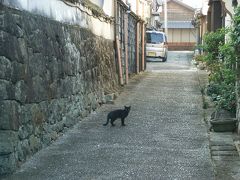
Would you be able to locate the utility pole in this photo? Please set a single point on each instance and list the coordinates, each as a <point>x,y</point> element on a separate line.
<point>165,17</point>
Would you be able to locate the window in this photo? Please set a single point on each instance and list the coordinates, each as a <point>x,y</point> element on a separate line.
<point>154,38</point>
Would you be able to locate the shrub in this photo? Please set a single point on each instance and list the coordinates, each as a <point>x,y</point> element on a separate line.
<point>199,58</point>
<point>220,59</point>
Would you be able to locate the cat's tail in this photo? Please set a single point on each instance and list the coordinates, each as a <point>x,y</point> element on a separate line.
<point>106,122</point>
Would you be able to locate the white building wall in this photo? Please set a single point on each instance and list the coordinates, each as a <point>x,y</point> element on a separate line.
<point>230,8</point>
<point>186,35</point>
<point>59,11</point>
<point>140,7</point>
<point>181,35</point>
<point>108,7</point>
<point>204,7</point>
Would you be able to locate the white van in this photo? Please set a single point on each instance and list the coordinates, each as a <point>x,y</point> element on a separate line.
<point>156,47</point>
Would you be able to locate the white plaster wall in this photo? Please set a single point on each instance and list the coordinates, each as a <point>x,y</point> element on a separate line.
<point>204,7</point>
<point>134,6</point>
<point>108,7</point>
<point>228,20</point>
<point>98,2</point>
<point>143,7</point>
<point>181,35</point>
<point>59,11</point>
<point>230,8</point>
<point>185,35</point>
<point>228,5</point>
<point>176,35</point>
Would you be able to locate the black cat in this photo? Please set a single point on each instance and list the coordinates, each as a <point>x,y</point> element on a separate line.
<point>119,113</point>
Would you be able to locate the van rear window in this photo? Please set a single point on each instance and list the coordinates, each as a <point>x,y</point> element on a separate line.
<point>154,38</point>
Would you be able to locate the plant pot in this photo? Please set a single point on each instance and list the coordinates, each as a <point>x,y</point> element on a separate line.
<point>224,125</point>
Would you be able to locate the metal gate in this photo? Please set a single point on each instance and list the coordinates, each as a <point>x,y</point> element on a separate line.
<point>132,29</point>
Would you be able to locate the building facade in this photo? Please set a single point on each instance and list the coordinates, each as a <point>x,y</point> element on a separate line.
<point>181,32</point>
<point>220,13</point>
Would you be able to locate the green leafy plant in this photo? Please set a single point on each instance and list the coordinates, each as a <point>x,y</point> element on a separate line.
<point>211,44</point>
<point>235,34</point>
<point>220,59</point>
<point>199,58</point>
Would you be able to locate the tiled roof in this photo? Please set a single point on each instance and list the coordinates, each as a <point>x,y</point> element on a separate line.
<point>179,25</point>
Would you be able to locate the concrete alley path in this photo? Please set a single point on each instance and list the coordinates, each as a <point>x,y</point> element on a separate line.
<point>164,138</point>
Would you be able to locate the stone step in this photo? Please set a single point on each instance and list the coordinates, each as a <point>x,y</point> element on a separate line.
<point>237,145</point>
<point>223,148</point>
<point>226,158</point>
<point>224,153</point>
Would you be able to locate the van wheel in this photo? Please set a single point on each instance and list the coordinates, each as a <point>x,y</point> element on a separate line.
<point>164,59</point>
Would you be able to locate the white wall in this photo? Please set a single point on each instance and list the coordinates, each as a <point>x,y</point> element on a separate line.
<point>230,8</point>
<point>98,2</point>
<point>204,7</point>
<point>228,5</point>
<point>108,7</point>
<point>142,9</point>
<point>181,35</point>
<point>176,35</point>
<point>59,11</point>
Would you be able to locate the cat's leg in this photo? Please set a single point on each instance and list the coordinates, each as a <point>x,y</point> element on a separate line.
<point>123,122</point>
<point>112,120</point>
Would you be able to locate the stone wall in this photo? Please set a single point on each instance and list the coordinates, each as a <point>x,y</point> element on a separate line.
<point>51,76</point>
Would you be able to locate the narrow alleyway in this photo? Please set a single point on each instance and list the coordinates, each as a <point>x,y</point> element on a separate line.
<point>164,138</point>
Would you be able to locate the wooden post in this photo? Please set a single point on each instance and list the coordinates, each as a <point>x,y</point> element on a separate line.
<point>119,61</point>
<point>137,49</point>
<point>143,46</point>
<point>126,46</point>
